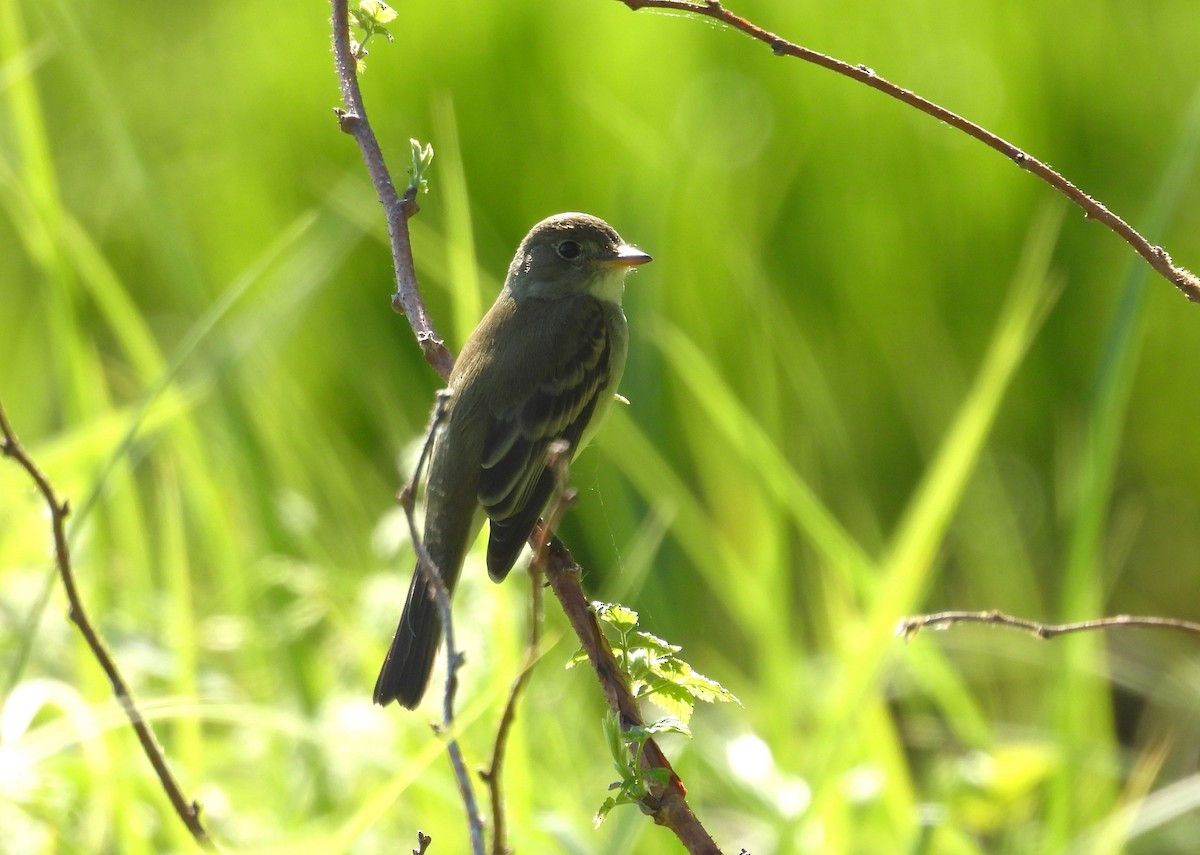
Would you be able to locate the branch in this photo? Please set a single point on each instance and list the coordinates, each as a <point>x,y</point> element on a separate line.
<point>910,626</point>
<point>667,803</point>
<point>188,811</point>
<point>454,659</point>
<point>352,119</point>
<point>1157,257</point>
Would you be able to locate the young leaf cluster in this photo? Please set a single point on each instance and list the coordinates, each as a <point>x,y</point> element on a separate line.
<point>657,674</point>
<point>653,667</point>
<point>635,782</point>
<point>370,16</point>
<point>422,159</point>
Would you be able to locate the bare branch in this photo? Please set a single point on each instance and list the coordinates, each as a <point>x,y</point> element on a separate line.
<point>910,626</point>
<point>352,118</point>
<point>454,659</point>
<point>188,811</point>
<point>1186,281</point>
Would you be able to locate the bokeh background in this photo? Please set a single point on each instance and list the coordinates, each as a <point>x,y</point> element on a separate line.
<point>875,370</point>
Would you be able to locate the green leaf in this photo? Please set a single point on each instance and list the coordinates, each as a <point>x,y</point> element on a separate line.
<point>616,746</point>
<point>370,16</point>
<point>375,12</point>
<point>579,658</point>
<point>702,688</point>
<point>654,669</point>
<point>605,810</point>
<point>669,724</point>
<point>422,159</point>
<point>654,643</point>
<point>674,700</point>
<point>619,617</point>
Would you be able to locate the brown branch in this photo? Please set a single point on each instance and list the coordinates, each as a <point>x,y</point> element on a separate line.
<point>454,659</point>
<point>910,626</point>
<point>667,803</point>
<point>188,811</point>
<point>1186,281</point>
<point>352,118</point>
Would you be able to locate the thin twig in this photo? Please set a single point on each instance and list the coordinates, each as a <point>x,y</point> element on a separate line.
<point>1186,281</point>
<point>188,811</point>
<point>352,118</point>
<point>454,659</point>
<point>557,458</point>
<point>910,626</point>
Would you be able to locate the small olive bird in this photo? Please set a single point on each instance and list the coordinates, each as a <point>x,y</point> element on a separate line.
<point>542,365</point>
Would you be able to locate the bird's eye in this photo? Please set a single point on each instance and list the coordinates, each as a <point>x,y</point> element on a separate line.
<point>568,249</point>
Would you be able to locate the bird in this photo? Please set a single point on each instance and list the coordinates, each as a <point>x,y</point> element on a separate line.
<point>543,365</point>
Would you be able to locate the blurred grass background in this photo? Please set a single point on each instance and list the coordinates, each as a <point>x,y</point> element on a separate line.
<point>874,370</point>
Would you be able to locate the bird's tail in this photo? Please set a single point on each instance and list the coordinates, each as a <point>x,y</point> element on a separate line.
<point>452,519</point>
<point>405,672</point>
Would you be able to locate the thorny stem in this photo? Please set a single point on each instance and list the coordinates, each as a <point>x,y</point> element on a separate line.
<point>352,118</point>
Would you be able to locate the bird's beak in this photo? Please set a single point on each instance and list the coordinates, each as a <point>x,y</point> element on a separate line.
<point>625,256</point>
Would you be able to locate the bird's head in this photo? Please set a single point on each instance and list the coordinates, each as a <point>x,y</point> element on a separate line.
<point>573,254</point>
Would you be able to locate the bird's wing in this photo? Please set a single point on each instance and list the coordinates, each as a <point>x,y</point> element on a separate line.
<point>514,483</point>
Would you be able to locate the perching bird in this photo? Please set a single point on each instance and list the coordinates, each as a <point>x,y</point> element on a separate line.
<point>543,364</point>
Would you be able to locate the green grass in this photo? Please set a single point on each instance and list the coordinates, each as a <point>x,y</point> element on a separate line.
<point>874,370</point>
